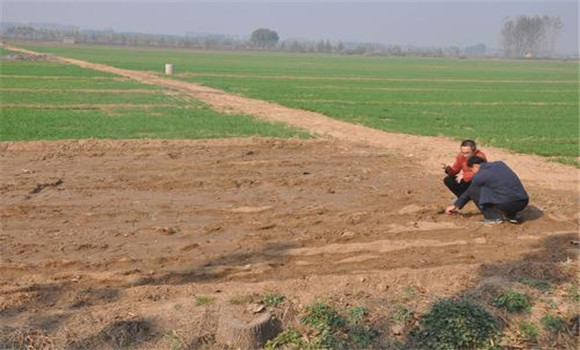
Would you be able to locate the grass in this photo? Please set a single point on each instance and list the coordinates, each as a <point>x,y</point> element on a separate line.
<point>160,123</point>
<point>71,83</point>
<point>46,100</point>
<point>525,106</point>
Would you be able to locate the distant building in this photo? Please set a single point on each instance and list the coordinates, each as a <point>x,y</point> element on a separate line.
<point>69,41</point>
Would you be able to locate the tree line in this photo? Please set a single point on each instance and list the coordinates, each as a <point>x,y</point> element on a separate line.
<point>521,37</point>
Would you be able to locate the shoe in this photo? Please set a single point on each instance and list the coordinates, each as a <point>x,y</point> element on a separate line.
<point>512,219</point>
<point>490,221</point>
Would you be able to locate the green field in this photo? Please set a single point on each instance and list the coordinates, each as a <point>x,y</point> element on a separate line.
<point>526,106</point>
<point>46,100</point>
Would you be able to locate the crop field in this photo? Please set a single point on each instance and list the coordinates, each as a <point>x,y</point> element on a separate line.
<point>47,100</point>
<point>144,211</point>
<point>525,106</point>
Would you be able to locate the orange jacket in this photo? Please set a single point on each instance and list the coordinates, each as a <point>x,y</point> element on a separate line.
<point>461,165</point>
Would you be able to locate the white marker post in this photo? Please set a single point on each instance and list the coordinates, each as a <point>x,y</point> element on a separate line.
<point>169,68</point>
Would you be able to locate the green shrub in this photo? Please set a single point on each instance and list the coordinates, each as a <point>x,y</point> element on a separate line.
<point>454,324</point>
<point>529,331</point>
<point>512,301</point>
<point>552,322</point>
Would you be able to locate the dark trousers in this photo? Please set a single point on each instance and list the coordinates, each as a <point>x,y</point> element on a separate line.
<point>456,187</point>
<point>497,210</point>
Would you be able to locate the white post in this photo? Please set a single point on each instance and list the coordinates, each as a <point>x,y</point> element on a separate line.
<point>168,68</point>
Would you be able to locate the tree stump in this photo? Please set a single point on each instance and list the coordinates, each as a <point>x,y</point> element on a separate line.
<point>252,334</point>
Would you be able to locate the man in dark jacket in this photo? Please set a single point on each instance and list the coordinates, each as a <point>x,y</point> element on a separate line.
<point>495,189</point>
<point>459,175</point>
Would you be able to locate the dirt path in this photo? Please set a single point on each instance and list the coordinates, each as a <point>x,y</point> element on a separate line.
<point>533,170</point>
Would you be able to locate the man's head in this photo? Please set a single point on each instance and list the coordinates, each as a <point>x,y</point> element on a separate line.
<point>474,163</point>
<point>468,148</point>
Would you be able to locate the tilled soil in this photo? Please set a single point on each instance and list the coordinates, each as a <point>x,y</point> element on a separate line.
<point>100,232</point>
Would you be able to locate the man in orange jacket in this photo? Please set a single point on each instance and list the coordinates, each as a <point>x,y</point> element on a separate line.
<point>459,175</point>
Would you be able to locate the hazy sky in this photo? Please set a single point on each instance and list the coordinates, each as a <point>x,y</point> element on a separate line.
<point>420,23</point>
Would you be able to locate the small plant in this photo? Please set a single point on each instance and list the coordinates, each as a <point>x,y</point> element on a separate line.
<point>529,331</point>
<point>320,317</point>
<point>288,339</point>
<point>177,307</point>
<point>273,299</point>
<point>452,324</point>
<point>357,314</point>
<point>410,292</point>
<point>536,284</point>
<point>403,315</point>
<point>553,323</point>
<point>512,301</point>
<point>202,300</point>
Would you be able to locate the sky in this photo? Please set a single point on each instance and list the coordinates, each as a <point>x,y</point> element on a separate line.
<point>427,23</point>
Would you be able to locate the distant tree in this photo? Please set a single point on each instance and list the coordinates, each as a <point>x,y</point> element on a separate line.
<point>530,36</point>
<point>264,38</point>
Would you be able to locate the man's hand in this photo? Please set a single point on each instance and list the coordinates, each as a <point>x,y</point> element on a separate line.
<point>459,178</point>
<point>451,210</point>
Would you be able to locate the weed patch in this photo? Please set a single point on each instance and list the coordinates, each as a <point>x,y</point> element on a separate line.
<point>529,331</point>
<point>512,301</point>
<point>454,324</point>
<point>273,299</point>
<point>553,323</point>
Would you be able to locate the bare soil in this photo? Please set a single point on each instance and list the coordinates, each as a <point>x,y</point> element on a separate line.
<point>108,244</point>
<point>96,232</point>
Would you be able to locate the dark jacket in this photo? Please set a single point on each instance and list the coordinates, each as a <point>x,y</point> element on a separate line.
<point>494,183</point>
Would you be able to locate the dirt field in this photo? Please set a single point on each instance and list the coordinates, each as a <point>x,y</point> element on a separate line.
<point>106,244</point>
<point>97,232</point>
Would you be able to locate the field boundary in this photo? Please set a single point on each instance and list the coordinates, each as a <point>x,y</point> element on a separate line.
<point>431,150</point>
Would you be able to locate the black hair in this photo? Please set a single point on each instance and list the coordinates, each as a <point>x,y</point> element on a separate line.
<point>469,143</point>
<point>474,160</point>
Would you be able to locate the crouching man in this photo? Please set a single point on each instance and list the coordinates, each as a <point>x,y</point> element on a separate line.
<point>459,175</point>
<point>495,189</point>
